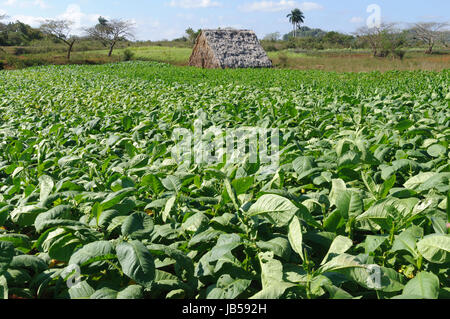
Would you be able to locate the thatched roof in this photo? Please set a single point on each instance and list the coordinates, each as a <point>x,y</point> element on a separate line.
<point>229,48</point>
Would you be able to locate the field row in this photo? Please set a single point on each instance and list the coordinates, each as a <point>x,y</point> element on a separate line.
<point>357,207</point>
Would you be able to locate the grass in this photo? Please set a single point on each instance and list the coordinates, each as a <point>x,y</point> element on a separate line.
<point>327,60</point>
<point>336,60</point>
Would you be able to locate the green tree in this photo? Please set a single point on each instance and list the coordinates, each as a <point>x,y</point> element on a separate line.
<point>192,35</point>
<point>60,30</point>
<point>296,18</point>
<point>110,32</point>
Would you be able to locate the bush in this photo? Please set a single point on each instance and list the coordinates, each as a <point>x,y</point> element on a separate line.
<point>2,65</point>
<point>399,54</point>
<point>15,62</point>
<point>283,59</point>
<point>18,63</point>
<point>128,55</point>
<point>34,62</point>
<point>271,48</point>
<point>19,51</point>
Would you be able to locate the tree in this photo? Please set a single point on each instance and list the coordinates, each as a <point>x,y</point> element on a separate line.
<point>272,36</point>
<point>192,35</point>
<point>111,32</point>
<point>296,17</point>
<point>60,30</point>
<point>2,29</point>
<point>379,38</point>
<point>429,33</point>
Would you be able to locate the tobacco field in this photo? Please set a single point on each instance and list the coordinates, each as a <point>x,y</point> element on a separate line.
<point>91,195</point>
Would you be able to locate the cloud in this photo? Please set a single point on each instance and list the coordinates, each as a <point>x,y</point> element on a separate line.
<point>73,13</point>
<point>310,6</point>
<point>282,5</point>
<point>190,4</point>
<point>30,20</point>
<point>26,3</point>
<point>357,20</point>
<point>80,19</point>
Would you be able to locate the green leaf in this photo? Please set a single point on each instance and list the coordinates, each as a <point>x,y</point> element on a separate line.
<point>131,292</point>
<point>3,288</point>
<point>232,193</point>
<point>406,241</point>
<point>296,236</point>
<point>137,262</point>
<point>168,208</point>
<point>105,293</point>
<point>172,183</point>
<point>337,293</point>
<point>228,288</point>
<point>435,248</point>
<point>63,247</point>
<point>58,212</point>
<point>138,226</point>
<point>338,187</point>
<point>280,246</point>
<point>339,246</point>
<point>114,198</point>
<point>305,167</point>
<point>404,125</point>
<point>414,182</point>
<point>33,263</point>
<point>437,150</point>
<point>272,280</point>
<point>387,186</point>
<point>278,209</point>
<point>127,123</point>
<point>21,242</point>
<point>6,255</point>
<point>349,204</point>
<point>425,285</point>
<point>81,290</point>
<point>25,216</point>
<point>46,185</point>
<point>93,252</point>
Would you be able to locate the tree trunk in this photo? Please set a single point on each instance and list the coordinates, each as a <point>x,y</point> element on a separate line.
<point>430,47</point>
<point>111,49</point>
<point>70,50</point>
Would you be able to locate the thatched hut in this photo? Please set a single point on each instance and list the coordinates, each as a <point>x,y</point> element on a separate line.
<point>228,48</point>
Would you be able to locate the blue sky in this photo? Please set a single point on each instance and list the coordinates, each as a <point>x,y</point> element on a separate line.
<point>167,19</point>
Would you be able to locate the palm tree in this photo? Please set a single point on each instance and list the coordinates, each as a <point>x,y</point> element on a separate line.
<point>296,17</point>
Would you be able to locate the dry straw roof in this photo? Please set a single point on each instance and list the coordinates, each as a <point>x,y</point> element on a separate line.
<point>230,48</point>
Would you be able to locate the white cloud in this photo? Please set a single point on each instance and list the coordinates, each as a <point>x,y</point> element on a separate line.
<point>357,20</point>
<point>310,6</point>
<point>30,20</point>
<point>282,5</point>
<point>26,3</point>
<point>73,13</point>
<point>80,19</point>
<point>190,4</point>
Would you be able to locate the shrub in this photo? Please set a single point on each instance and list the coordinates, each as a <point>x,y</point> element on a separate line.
<point>283,59</point>
<point>19,51</point>
<point>128,55</point>
<point>271,48</point>
<point>15,62</point>
<point>399,54</point>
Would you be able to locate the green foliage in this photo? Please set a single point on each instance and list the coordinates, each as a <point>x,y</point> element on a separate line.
<point>128,55</point>
<point>358,207</point>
